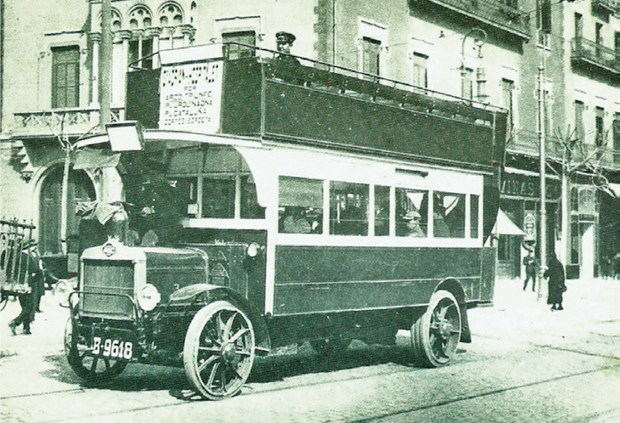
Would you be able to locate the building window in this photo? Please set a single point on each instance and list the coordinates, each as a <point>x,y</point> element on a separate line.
<point>599,120</point>
<point>420,71</point>
<point>348,208</point>
<point>508,89</point>
<point>300,205</point>
<point>546,109</point>
<point>235,51</point>
<point>411,212</point>
<point>468,83</point>
<point>543,21</point>
<point>139,49</point>
<point>65,77</point>
<point>448,215</point>
<point>579,129</point>
<point>578,25</point>
<point>371,55</point>
<point>382,210</point>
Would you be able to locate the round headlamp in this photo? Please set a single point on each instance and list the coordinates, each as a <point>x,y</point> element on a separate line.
<point>253,249</point>
<point>148,297</point>
<point>62,290</point>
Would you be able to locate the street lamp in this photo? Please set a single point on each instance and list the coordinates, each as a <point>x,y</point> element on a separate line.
<point>479,40</point>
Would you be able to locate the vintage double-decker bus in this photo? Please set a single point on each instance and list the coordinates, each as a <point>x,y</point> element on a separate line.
<point>278,202</point>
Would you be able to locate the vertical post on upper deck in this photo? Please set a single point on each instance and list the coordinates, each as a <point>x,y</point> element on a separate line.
<point>542,236</point>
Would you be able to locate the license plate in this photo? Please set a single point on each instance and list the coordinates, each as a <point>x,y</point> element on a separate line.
<point>112,348</point>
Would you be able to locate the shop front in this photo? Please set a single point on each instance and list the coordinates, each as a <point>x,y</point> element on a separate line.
<point>519,201</point>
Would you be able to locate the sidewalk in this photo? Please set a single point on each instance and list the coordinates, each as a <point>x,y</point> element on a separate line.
<point>590,307</point>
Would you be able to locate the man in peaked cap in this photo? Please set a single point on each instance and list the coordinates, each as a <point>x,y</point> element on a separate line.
<point>284,43</point>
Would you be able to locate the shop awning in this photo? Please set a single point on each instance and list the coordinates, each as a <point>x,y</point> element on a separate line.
<point>505,226</point>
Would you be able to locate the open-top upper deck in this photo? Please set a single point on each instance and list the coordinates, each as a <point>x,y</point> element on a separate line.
<point>242,90</point>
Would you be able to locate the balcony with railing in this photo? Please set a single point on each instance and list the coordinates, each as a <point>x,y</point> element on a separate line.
<point>609,6</point>
<point>594,54</point>
<point>70,121</point>
<point>526,142</point>
<point>503,14</point>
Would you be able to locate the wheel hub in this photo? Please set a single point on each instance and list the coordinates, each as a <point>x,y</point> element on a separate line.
<point>228,353</point>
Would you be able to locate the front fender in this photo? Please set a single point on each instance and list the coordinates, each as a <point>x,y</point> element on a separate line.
<point>205,293</point>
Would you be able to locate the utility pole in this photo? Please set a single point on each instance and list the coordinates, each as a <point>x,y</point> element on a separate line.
<point>105,64</point>
<point>542,151</point>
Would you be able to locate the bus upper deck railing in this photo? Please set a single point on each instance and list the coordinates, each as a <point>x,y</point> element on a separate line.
<point>312,72</point>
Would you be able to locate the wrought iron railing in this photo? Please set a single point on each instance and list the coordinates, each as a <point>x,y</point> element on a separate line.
<point>504,14</point>
<point>60,121</point>
<point>612,6</point>
<point>584,49</point>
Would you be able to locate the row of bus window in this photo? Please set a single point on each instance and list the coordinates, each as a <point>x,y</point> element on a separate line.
<point>301,210</point>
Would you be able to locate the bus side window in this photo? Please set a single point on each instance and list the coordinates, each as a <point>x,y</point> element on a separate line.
<point>218,196</point>
<point>187,191</point>
<point>448,215</point>
<point>348,204</point>
<point>300,205</point>
<point>411,212</point>
<point>250,209</point>
<point>473,215</point>
<point>382,210</point>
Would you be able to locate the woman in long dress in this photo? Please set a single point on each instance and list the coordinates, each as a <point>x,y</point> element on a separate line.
<point>556,281</point>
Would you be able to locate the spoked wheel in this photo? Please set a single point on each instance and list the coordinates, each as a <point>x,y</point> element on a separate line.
<point>330,346</point>
<point>90,368</point>
<point>436,334</point>
<point>219,350</point>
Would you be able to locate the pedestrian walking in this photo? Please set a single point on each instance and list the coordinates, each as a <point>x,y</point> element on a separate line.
<point>531,264</point>
<point>30,276</point>
<point>557,285</point>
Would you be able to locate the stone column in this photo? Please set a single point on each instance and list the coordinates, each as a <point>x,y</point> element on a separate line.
<point>124,37</point>
<point>95,39</point>
<point>154,34</point>
<point>188,32</point>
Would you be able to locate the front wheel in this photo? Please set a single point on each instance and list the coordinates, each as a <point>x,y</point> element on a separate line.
<point>219,350</point>
<point>436,334</point>
<point>87,366</point>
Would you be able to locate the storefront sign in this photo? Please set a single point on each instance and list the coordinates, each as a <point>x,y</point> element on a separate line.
<point>529,225</point>
<point>191,96</point>
<point>528,186</point>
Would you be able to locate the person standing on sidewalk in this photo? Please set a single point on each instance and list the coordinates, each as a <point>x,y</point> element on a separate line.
<point>557,285</point>
<point>30,276</point>
<point>531,266</point>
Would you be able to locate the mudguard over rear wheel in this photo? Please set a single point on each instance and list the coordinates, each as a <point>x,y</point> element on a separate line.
<point>436,334</point>
<point>219,350</point>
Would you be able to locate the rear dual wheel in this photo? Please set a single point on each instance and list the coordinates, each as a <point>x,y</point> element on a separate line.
<point>436,334</point>
<point>219,350</point>
<point>89,367</point>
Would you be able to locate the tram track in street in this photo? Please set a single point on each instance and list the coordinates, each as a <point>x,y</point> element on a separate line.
<point>487,393</point>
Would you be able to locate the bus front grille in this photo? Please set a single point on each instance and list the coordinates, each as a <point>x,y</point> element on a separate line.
<point>103,277</point>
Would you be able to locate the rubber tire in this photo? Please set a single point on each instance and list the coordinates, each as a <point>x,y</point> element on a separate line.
<point>73,359</point>
<point>422,355</point>
<point>191,337</point>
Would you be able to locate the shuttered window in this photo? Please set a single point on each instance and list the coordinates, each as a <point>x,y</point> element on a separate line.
<point>65,77</point>
<point>371,55</point>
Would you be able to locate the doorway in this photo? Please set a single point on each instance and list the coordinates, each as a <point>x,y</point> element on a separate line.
<point>80,188</point>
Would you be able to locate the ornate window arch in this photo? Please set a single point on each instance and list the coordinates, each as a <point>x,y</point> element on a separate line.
<point>170,14</point>
<point>117,20</point>
<point>140,17</point>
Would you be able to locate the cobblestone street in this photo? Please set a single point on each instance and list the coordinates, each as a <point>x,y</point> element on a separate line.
<point>526,363</point>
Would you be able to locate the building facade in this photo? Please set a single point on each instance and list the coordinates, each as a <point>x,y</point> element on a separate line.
<point>488,51</point>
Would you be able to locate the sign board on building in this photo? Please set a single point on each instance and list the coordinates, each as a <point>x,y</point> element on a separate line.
<point>529,225</point>
<point>191,97</point>
<point>528,186</point>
